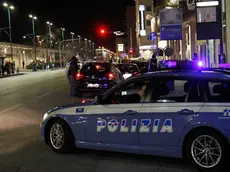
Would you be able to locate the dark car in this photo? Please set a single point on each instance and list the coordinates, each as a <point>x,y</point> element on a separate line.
<point>97,76</point>
<point>128,69</point>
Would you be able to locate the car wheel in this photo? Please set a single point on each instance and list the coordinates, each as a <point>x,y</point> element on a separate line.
<point>207,150</point>
<point>78,93</point>
<point>60,136</point>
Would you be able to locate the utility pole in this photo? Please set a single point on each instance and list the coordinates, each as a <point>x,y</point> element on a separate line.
<point>131,41</point>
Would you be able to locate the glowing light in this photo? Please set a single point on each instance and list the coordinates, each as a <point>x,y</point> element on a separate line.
<point>200,63</point>
<point>207,4</point>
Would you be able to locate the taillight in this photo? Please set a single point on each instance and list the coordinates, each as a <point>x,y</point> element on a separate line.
<point>135,73</point>
<point>110,76</point>
<point>79,76</point>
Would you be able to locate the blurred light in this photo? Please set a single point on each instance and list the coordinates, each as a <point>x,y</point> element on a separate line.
<point>48,22</point>
<point>71,33</point>
<point>35,18</point>
<point>224,66</point>
<point>200,63</point>
<point>24,37</point>
<point>78,36</point>
<point>207,3</point>
<point>30,16</point>
<point>12,7</point>
<point>5,4</point>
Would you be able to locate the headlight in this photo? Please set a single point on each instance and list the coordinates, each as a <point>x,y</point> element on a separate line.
<point>45,116</point>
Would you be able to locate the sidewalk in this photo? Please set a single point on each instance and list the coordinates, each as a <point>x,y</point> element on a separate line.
<point>26,71</point>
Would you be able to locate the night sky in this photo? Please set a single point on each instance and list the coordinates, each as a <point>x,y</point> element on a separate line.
<point>82,17</point>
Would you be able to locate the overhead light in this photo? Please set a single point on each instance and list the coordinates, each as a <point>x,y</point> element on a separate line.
<point>207,4</point>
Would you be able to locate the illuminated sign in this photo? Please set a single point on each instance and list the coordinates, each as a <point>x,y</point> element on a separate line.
<point>142,20</point>
<point>120,47</point>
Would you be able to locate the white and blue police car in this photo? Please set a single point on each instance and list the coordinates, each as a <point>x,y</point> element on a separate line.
<point>181,114</point>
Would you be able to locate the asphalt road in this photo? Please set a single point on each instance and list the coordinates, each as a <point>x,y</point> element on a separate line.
<point>23,101</point>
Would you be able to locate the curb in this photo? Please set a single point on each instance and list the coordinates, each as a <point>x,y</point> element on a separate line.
<point>11,75</point>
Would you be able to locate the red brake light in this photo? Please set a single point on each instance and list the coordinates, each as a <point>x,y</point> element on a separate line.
<point>79,76</point>
<point>135,73</point>
<point>110,76</point>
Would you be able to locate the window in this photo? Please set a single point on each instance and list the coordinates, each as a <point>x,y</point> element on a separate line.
<point>95,68</point>
<point>132,93</point>
<point>148,23</point>
<point>217,91</point>
<point>170,91</point>
<point>148,8</point>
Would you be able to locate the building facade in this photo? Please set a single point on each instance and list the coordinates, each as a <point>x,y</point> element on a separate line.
<point>26,53</point>
<point>144,8</point>
<point>147,21</point>
<point>131,33</point>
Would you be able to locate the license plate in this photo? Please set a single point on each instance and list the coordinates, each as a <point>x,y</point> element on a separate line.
<point>93,86</point>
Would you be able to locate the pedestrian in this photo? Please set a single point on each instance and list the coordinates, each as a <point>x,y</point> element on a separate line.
<point>195,56</point>
<point>73,69</point>
<point>23,64</point>
<point>152,63</point>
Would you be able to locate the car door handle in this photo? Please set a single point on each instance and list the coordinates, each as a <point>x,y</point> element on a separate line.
<point>186,111</point>
<point>130,112</point>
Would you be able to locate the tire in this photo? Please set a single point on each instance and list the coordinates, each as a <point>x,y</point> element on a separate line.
<point>215,145</point>
<point>67,137</point>
<point>78,93</point>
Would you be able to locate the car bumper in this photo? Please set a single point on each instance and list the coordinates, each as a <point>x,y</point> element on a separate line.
<point>42,129</point>
<point>83,86</point>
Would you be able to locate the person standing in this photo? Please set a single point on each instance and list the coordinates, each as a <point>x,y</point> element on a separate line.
<point>152,63</point>
<point>73,69</point>
<point>23,64</point>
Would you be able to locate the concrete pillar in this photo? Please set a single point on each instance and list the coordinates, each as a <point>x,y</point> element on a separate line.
<point>184,43</point>
<point>193,39</point>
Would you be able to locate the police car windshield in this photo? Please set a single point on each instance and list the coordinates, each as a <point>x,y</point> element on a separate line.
<point>90,68</point>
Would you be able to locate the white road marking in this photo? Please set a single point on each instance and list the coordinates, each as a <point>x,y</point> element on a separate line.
<point>11,108</point>
<point>43,95</point>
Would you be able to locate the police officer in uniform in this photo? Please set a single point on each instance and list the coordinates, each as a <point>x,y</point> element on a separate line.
<point>73,69</point>
<point>152,63</point>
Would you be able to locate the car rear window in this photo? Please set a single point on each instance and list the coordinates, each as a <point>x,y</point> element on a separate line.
<point>128,68</point>
<point>95,68</point>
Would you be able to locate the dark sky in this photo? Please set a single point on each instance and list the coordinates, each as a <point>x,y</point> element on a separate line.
<point>82,17</point>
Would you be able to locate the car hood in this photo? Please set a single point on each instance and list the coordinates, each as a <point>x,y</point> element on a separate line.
<point>86,102</point>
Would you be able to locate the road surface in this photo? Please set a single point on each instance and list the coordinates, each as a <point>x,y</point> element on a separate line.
<point>23,101</point>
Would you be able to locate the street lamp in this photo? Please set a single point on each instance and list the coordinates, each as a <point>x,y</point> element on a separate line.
<point>62,33</point>
<point>63,47</point>
<point>9,8</point>
<point>86,48</point>
<point>79,43</point>
<point>93,48</point>
<point>72,34</point>
<point>33,18</point>
<point>49,26</point>
<point>89,49</point>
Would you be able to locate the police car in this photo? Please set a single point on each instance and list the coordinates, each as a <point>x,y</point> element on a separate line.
<point>181,114</point>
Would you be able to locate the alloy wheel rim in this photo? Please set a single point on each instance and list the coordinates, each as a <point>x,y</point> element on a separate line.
<point>206,151</point>
<point>57,136</point>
